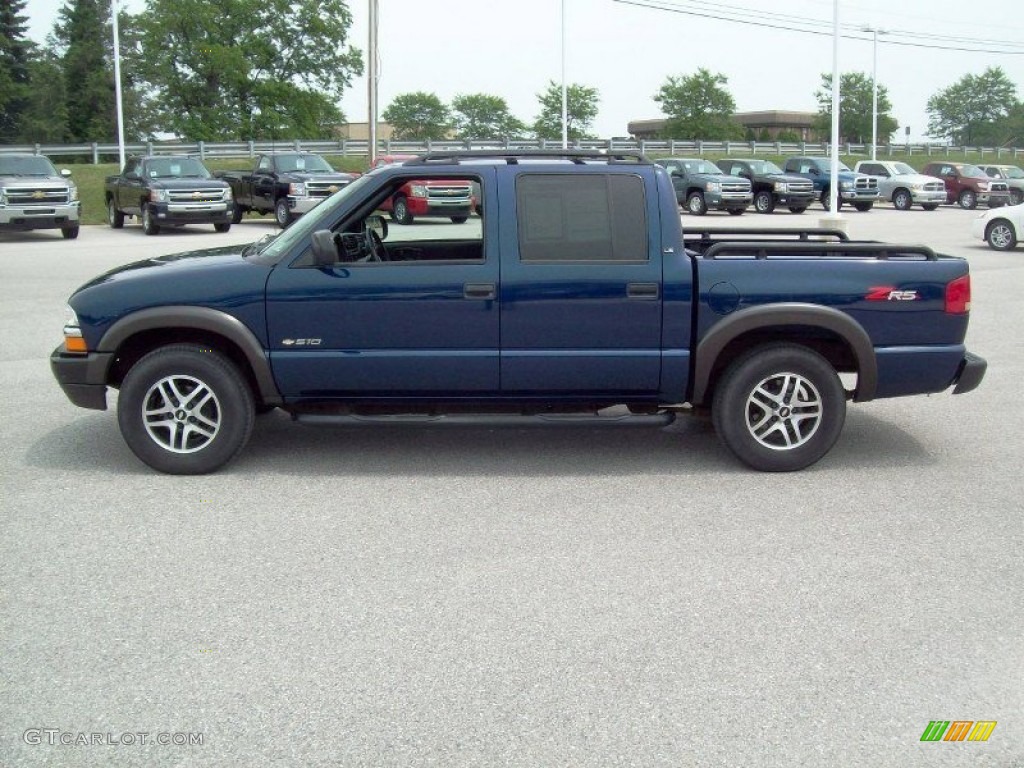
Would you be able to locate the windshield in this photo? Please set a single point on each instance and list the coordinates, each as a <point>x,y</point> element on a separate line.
<point>308,163</point>
<point>701,166</point>
<point>764,166</point>
<point>903,169</point>
<point>973,172</point>
<point>1012,172</point>
<point>26,166</point>
<point>308,224</point>
<point>176,168</point>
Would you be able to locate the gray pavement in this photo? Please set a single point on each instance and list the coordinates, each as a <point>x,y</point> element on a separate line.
<point>491,597</point>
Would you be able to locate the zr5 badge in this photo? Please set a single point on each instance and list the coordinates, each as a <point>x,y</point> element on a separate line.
<point>890,293</point>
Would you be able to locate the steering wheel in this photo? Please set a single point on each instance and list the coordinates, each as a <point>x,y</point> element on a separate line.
<point>375,250</point>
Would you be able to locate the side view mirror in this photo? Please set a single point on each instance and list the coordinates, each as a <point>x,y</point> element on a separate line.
<point>814,171</point>
<point>379,225</point>
<point>65,173</point>
<point>325,248</point>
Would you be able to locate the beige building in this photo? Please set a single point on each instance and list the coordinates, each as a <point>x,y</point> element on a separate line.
<point>773,121</point>
<point>361,131</point>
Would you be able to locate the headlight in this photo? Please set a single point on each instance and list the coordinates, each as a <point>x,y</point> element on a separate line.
<point>72,192</point>
<point>3,200</point>
<point>297,188</point>
<point>158,195</point>
<point>781,186</point>
<point>846,185</point>
<point>227,194</point>
<point>73,341</point>
<point>983,186</point>
<point>418,190</point>
<point>917,186</point>
<point>713,186</point>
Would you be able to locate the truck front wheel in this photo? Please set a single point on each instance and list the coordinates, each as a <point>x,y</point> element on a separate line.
<point>695,204</point>
<point>149,225</point>
<point>968,200</point>
<point>282,215</point>
<point>400,211</point>
<point>764,201</point>
<point>185,409</point>
<point>779,407</point>
<point>114,217</point>
<point>70,233</point>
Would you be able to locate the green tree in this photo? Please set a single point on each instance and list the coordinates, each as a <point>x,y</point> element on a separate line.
<point>969,111</point>
<point>45,117</point>
<point>418,116</point>
<point>248,68</point>
<point>80,37</point>
<point>581,109</point>
<point>855,108</point>
<point>788,136</point>
<point>15,55</point>
<point>483,116</point>
<point>698,106</point>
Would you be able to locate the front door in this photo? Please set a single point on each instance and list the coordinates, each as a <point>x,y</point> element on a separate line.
<point>581,301</point>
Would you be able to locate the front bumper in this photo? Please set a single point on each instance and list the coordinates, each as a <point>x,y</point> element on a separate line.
<point>969,375</point>
<point>994,199</point>
<point>82,377</point>
<point>795,199</point>
<point>726,201</point>
<point>192,213</point>
<point>419,206</point>
<point>301,205</point>
<point>858,195</point>
<point>920,196</point>
<point>48,217</point>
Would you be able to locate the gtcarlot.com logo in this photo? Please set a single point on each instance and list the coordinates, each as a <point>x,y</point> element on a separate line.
<point>958,730</point>
<point>59,737</point>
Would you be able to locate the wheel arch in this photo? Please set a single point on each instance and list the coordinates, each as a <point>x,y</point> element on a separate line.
<point>137,334</point>
<point>834,335</point>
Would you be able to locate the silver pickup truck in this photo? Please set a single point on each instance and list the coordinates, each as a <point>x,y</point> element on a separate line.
<point>34,196</point>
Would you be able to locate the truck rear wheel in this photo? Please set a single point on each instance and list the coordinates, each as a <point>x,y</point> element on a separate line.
<point>797,208</point>
<point>185,410</point>
<point>779,407</point>
<point>237,214</point>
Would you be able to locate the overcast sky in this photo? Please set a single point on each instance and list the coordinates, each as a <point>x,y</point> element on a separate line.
<point>513,49</point>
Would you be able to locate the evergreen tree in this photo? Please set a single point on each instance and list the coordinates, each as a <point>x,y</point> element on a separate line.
<point>15,55</point>
<point>81,39</point>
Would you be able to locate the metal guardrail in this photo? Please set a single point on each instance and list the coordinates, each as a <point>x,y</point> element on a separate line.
<point>103,152</point>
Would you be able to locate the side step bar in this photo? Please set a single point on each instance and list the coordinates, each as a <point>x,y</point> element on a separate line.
<point>661,419</point>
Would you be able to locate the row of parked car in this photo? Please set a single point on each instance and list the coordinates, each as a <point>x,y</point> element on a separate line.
<point>170,190</point>
<point>734,184</point>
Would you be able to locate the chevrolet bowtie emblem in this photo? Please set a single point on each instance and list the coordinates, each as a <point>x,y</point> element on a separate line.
<point>196,195</point>
<point>38,194</point>
<point>332,189</point>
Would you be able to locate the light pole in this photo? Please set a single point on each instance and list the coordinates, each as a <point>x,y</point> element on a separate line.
<point>875,32</point>
<point>371,85</point>
<point>117,83</point>
<point>565,93</point>
<point>833,187</point>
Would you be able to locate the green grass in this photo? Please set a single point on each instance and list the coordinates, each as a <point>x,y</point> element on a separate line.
<point>90,180</point>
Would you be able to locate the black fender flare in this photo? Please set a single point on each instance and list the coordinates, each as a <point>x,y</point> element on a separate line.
<point>782,315</point>
<point>200,318</point>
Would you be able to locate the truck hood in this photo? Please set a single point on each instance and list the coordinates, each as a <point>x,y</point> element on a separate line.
<point>188,184</point>
<point>719,177</point>
<point>47,182</point>
<point>787,178</point>
<point>912,178</point>
<point>328,178</point>
<point>220,278</point>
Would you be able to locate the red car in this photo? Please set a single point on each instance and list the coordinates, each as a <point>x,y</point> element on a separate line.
<point>427,197</point>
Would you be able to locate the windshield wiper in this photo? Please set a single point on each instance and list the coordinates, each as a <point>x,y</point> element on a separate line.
<point>254,249</point>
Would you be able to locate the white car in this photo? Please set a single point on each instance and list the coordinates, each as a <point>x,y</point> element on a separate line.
<point>1001,228</point>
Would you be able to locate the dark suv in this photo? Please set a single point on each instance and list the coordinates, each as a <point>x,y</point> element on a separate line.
<point>771,185</point>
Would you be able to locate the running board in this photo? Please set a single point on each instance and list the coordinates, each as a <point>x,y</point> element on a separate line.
<point>660,419</point>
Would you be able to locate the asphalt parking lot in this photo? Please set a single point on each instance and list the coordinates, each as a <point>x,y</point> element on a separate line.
<point>491,597</point>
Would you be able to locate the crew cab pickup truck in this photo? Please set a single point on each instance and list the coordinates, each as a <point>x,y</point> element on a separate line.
<point>34,196</point>
<point>576,298</point>
<point>701,185</point>
<point>967,185</point>
<point>855,188</point>
<point>904,186</point>
<point>168,191</point>
<point>287,184</point>
<point>1013,175</point>
<point>453,198</point>
<point>771,186</point>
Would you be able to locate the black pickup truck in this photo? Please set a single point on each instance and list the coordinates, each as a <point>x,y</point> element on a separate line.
<point>771,185</point>
<point>168,191</point>
<point>287,184</point>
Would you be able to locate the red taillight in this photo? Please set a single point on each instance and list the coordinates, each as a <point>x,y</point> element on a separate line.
<point>958,296</point>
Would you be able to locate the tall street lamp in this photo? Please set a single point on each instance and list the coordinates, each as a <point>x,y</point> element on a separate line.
<point>117,82</point>
<point>565,93</point>
<point>875,32</point>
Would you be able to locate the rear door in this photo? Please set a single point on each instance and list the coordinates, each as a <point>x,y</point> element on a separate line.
<point>581,279</point>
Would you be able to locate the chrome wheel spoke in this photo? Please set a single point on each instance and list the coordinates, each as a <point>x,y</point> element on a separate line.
<point>784,411</point>
<point>181,414</point>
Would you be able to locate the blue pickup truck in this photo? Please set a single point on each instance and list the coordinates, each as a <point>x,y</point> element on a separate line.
<point>575,298</point>
<point>858,189</point>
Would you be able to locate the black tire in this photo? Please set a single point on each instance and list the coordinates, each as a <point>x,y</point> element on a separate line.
<point>864,207</point>
<point>778,441</point>
<point>737,211</point>
<point>902,200</point>
<point>69,233</point>
<point>1000,235</point>
<point>149,225</point>
<point>237,214</point>
<point>824,199</point>
<point>929,206</point>
<point>967,200</point>
<point>400,211</point>
<point>797,209</point>
<point>695,204</point>
<point>1016,196</point>
<point>764,201</point>
<point>282,215</point>
<point>459,219</point>
<point>215,398</point>
<point>114,217</point>
<point>222,226</point>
